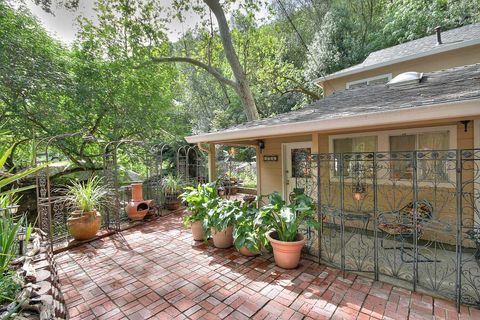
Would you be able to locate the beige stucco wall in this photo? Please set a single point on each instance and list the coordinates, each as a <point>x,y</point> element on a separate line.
<point>271,172</point>
<point>445,60</point>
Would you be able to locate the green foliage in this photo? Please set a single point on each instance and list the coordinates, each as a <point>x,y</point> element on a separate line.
<point>248,232</point>
<point>200,200</point>
<point>172,184</point>
<point>9,286</point>
<point>221,216</point>
<point>87,196</point>
<point>285,219</point>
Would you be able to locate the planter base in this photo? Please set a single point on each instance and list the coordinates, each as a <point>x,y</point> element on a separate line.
<point>286,254</point>
<point>197,231</point>
<point>247,253</point>
<point>84,226</point>
<point>223,239</point>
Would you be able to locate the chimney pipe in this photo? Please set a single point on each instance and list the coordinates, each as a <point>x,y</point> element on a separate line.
<point>439,35</point>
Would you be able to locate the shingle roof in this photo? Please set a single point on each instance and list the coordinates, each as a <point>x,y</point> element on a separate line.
<point>451,85</point>
<point>451,39</point>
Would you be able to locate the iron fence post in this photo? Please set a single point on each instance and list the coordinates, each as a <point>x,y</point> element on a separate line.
<point>415,222</point>
<point>459,222</point>
<point>319,210</point>
<point>342,208</point>
<point>375,217</point>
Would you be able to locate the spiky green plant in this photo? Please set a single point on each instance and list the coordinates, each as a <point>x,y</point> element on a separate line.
<point>172,184</point>
<point>87,196</point>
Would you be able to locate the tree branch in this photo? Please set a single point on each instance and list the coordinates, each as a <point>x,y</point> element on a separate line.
<point>199,64</point>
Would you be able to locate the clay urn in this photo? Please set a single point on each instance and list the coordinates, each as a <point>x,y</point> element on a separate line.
<point>286,254</point>
<point>137,208</point>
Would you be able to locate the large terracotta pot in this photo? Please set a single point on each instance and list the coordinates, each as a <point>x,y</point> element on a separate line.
<point>84,225</point>
<point>247,253</point>
<point>137,208</point>
<point>223,239</point>
<point>286,254</point>
<point>197,231</point>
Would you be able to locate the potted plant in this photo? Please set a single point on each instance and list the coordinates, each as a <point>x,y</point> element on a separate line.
<point>172,188</point>
<point>285,220</point>
<point>87,197</point>
<point>199,201</point>
<point>219,222</point>
<point>248,235</point>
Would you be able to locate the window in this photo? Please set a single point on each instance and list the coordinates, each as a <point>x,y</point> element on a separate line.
<point>301,159</point>
<point>431,166</point>
<point>384,78</point>
<point>428,169</point>
<point>354,144</point>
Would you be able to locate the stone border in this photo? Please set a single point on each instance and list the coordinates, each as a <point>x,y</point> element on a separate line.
<point>41,296</point>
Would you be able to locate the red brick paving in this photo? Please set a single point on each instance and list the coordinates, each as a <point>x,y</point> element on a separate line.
<point>154,271</point>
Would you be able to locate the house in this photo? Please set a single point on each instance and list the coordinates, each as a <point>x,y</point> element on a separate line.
<point>392,156</point>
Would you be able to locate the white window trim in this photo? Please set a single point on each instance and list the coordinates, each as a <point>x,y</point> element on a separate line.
<point>383,145</point>
<point>386,75</point>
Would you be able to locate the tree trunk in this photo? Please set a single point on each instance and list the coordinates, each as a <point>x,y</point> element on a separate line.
<point>243,87</point>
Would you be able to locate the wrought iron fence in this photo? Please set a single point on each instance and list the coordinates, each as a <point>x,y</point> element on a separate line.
<point>408,217</point>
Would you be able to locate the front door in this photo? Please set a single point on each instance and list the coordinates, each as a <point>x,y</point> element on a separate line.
<point>296,166</point>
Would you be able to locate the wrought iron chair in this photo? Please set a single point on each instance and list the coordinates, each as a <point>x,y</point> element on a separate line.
<point>400,225</point>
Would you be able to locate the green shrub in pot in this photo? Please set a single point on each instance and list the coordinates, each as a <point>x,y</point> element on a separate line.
<point>248,235</point>
<point>172,188</point>
<point>199,200</point>
<point>285,221</point>
<point>219,222</point>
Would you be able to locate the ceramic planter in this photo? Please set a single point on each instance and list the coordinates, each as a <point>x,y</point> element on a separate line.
<point>172,202</point>
<point>223,239</point>
<point>137,208</point>
<point>286,254</point>
<point>197,231</point>
<point>84,225</point>
<point>247,253</point>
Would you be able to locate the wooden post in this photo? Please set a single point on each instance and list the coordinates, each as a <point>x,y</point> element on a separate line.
<point>212,163</point>
<point>315,143</point>
<point>259,170</point>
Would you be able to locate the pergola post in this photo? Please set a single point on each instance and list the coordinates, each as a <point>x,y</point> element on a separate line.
<point>212,163</point>
<point>259,170</point>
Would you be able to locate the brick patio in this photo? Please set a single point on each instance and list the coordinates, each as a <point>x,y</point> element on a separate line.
<point>154,271</point>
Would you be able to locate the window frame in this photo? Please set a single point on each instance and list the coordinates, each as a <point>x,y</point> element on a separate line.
<point>383,145</point>
<point>367,80</point>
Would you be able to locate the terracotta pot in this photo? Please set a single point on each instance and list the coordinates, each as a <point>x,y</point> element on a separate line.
<point>247,253</point>
<point>286,254</point>
<point>197,231</point>
<point>223,239</point>
<point>84,226</point>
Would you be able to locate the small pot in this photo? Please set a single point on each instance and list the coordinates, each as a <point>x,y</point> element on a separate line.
<point>223,239</point>
<point>247,253</point>
<point>84,225</point>
<point>286,254</point>
<point>172,202</point>
<point>197,231</point>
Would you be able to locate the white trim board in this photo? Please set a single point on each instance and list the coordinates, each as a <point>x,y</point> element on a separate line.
<point>460,109</point>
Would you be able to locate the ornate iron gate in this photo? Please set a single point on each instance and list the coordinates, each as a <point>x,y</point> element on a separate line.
<point>408,216</point>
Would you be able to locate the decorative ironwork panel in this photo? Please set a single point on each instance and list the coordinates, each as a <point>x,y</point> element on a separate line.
<point>469,233</point>
<point>331,248</point>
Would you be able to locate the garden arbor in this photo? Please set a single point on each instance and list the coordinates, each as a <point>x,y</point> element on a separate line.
<point>118,163</point>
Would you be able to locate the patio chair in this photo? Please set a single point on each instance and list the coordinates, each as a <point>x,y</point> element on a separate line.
<point>400,226</point>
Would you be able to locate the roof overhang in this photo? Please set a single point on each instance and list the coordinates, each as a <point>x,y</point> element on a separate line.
<point>451,110</point>
<point>436,50</point>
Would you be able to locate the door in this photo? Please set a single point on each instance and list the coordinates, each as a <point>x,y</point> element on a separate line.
<point>297,168</point>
